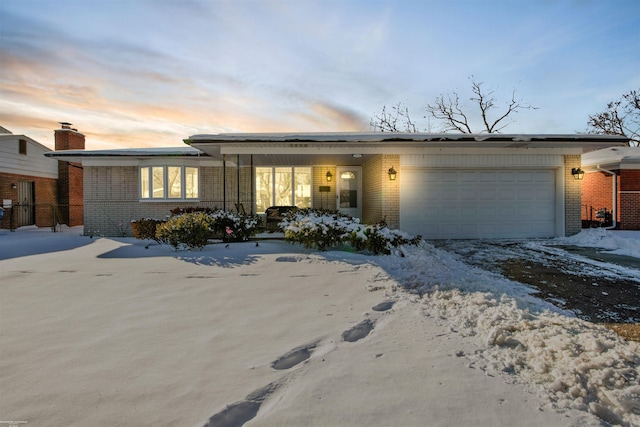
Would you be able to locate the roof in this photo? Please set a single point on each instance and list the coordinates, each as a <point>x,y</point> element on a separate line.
<point>130,152</point>
<point>407,137</point>
<point>615,157</point>
<point>342,145</point>
<point>13,137</point>
<point>413,140</point>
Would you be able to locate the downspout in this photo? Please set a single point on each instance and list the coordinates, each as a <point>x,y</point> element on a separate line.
<point>253,189</point>
<point>224,182</point>
<point>614,185</point>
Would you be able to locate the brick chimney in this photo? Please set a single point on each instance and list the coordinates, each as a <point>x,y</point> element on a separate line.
<point>70,176</point>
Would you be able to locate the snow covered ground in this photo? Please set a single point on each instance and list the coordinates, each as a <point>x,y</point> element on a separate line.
<point>615,241</point>
<point>107,332</point>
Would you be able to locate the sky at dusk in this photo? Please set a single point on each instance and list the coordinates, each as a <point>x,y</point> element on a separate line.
<point>144,73</point>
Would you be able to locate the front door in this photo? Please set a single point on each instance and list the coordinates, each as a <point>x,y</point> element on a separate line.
<point>349,190</point>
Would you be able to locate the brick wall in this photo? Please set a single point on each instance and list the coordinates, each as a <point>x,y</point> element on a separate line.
<point>323,200</point>
<point>391,191</point>
<point>70,177</point>
<point>596,193</point>
<point>629,199</point>
<point>111,197</point>
<point>573,196</point>
<point>372,191</point>
<point>380,196</point>
<point>45,195</point>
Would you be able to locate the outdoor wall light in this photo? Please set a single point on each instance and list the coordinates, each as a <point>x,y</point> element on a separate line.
<point>329,176</point>
<point>13,186</point>
<point>577,173</point>
<point>392,174</point>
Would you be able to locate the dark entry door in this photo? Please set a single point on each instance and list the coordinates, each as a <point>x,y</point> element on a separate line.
<point>27,208</point>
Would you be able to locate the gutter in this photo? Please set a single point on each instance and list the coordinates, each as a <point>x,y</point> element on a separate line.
<point>614,184</point>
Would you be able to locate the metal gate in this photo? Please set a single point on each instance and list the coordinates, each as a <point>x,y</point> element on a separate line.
<point>27,205</point>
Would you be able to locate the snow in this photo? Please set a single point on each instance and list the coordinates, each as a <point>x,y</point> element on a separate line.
<point>618,242</point>
<point>107,332</point>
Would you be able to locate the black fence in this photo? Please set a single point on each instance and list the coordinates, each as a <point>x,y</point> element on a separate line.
<point>40,215</point>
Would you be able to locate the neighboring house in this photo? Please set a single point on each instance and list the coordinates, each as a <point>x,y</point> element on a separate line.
<point>37,190</point>
<point>434,185</point>
<point>611,188</point>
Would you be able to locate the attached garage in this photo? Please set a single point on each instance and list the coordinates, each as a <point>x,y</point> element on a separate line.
<point>492,201</point>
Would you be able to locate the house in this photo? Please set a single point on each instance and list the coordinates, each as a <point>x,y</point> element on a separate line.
<point>611,188</point>
<point>37,190</point>
<point>435,185</point>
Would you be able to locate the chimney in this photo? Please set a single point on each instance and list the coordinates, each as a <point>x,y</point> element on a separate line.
<point>67,138</point>
<point>70,176</point>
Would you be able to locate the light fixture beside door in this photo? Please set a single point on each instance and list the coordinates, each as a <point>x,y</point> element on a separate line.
<point>392,174</point>
<point>577,173</point>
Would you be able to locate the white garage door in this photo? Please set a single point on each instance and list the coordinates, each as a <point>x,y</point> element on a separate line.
<point>470,204</point>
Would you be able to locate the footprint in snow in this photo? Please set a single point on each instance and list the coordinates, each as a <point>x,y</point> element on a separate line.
<point>358,332</point>
<point>383,306</point>
<point>293,358</point>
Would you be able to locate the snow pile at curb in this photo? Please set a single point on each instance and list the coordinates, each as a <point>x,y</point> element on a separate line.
<point>618,242</point>
<point>570,363</point>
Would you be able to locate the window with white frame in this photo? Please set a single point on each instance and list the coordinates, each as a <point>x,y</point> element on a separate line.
<point>283,186</point>
<point>169,182</point>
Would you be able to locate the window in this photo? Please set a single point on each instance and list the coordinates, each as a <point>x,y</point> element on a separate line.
<point>283,186</point>
<point>22,146</point>
<point>168,182</point>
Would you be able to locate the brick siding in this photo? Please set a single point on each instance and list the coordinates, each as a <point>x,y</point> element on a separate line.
<point>381,197</point>
<point>323,200</point>
<point>629,199</point>
<point>597,193</point>
<point>70,178</point>
<point>45,196</point>
<point>112,201</point>
<point>573,196</point>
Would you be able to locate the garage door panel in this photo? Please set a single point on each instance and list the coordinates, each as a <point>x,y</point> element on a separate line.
<point>487,194</point>
<point>525,176</point>
<point>468,194</point>
<point>487,176</point>
<point>506,176</point>
<point>478,203</point>
<point>508,194</point>
<point>468,177</point>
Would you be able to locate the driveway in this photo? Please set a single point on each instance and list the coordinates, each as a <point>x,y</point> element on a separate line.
<point>596,285</point>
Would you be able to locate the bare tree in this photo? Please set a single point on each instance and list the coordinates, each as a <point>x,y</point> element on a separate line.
<point>448,110</point>
<point>397,120</point>
<point>455,117</point>
<point>622,117</point>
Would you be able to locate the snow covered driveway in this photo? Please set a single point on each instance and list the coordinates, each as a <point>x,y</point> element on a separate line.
<point>593,283</point>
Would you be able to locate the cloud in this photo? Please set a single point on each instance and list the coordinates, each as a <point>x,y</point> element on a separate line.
<point>323,116</point>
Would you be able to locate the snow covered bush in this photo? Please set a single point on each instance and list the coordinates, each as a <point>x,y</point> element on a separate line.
<point>315,228</point>
<point>192,230</point>
<point>194,226</point>
<point>145,228</point>
<point>379,239</point>
<point>236,226</point>
<point>322,229</point>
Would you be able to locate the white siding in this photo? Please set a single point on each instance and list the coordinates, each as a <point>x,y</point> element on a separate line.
<point>34,163</point>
